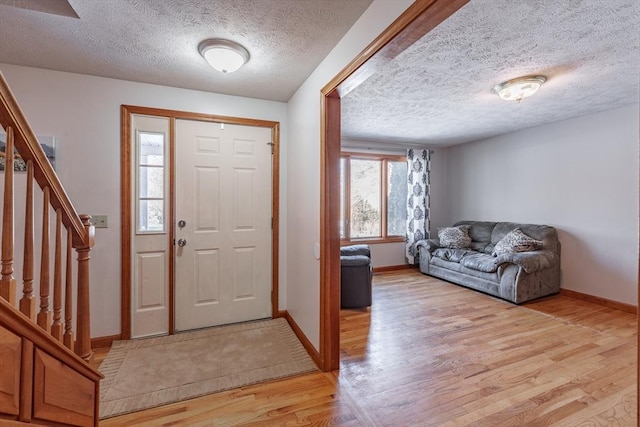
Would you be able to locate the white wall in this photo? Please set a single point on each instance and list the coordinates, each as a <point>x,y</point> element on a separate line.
<point>83,113</point>
<point>578,175</point>
<point>387,254</point>
<point>439,190</point>
<point>303,291</point>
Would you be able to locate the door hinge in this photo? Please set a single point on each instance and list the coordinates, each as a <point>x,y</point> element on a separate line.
<point>272,145</point>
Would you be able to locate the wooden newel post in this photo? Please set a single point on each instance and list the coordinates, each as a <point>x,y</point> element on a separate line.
<point>83,327</point>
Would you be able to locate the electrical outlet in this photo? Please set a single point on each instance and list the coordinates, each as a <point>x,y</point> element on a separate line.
<point>99,221</point>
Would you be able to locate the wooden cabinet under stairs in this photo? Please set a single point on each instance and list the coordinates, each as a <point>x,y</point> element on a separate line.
<point>41,382</point>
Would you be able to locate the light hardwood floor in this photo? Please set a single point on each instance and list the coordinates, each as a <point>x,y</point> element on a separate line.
<point>429,353</point>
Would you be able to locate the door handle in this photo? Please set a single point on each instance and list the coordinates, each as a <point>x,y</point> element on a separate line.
<point>182,242</point>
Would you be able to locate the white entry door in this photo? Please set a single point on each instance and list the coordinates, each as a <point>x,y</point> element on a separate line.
<point>223,224</point>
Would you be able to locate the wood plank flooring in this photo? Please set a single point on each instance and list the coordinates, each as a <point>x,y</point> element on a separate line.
<point>429,353</point>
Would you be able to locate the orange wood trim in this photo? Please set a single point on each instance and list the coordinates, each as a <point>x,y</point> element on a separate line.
<point>96,405</point>
<point>394,268</point>
<point>370,241</point>
<point>26,142</point>
<point>172,227</point>
<point>275,212</point>
<point>599,300</point>
<point>329,234</point>
<point>22,326</point>
<point>26,380</point>
<point>347,208</point>
<point>186,115</point>
<point>125,221</point>
<point>419,18</point>
<point>13,423</point>
<point>374,156</point>
<point>125,200</point>
<point>303,338</point>
<point>104,342</point>
<point>384,214</point>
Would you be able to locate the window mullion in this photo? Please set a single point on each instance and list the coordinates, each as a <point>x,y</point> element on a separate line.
<point>383,198</point>
<point>347,198</point>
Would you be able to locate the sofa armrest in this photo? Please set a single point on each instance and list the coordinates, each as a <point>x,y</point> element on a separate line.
<point>530,261</point>
<point>429,244</point>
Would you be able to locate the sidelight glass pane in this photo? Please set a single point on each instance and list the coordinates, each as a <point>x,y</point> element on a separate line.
<point>151,182</point>
<point>151,215</point>
<point>151,148</point>
<point>365,198</point>
<point>396,198</point>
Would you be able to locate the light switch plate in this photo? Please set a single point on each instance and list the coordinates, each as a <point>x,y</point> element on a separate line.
<point>99,221</point>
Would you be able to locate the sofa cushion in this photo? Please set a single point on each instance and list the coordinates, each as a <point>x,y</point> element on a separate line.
<point>480,247</point>
<point>454,237</point>
<point>468,273</point>
<point>450,254</point>
<point>479,261</point>
<point>480,231</point>
<point>516,241</point>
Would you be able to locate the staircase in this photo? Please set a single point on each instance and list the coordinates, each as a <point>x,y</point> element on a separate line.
<point>45,377</point>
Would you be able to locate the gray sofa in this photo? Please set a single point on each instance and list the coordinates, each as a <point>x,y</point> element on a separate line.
<point>516,277</point>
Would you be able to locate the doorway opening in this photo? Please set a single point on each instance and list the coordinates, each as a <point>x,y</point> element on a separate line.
<point>420,18</point>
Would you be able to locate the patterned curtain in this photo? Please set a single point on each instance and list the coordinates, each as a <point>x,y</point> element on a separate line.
<point>418,165</point>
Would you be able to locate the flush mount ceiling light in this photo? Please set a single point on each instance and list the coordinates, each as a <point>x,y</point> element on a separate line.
<point>223,55</point>
<point>520,88</point>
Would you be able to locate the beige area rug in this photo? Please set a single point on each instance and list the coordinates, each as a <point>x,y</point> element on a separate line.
<point>142,374</point>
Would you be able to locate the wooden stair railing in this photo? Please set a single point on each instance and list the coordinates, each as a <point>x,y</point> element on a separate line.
<point>46,344</point>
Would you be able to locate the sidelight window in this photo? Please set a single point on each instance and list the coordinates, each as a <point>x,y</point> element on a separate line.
<point>150,187</point>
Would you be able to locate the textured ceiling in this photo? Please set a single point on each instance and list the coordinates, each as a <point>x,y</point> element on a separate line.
<point>155,41</point>
<point>438,91</point>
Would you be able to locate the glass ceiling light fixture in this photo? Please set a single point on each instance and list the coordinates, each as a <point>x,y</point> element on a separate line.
<point>520,88</point>
<point>223,55</point>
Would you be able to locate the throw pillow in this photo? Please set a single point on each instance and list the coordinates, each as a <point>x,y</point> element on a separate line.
<point>516,241</point>
<point>455,237</point>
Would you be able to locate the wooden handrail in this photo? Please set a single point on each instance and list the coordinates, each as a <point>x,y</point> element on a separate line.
<point>47,351</point>
<point>26,143</point>
<point>21,136</point>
